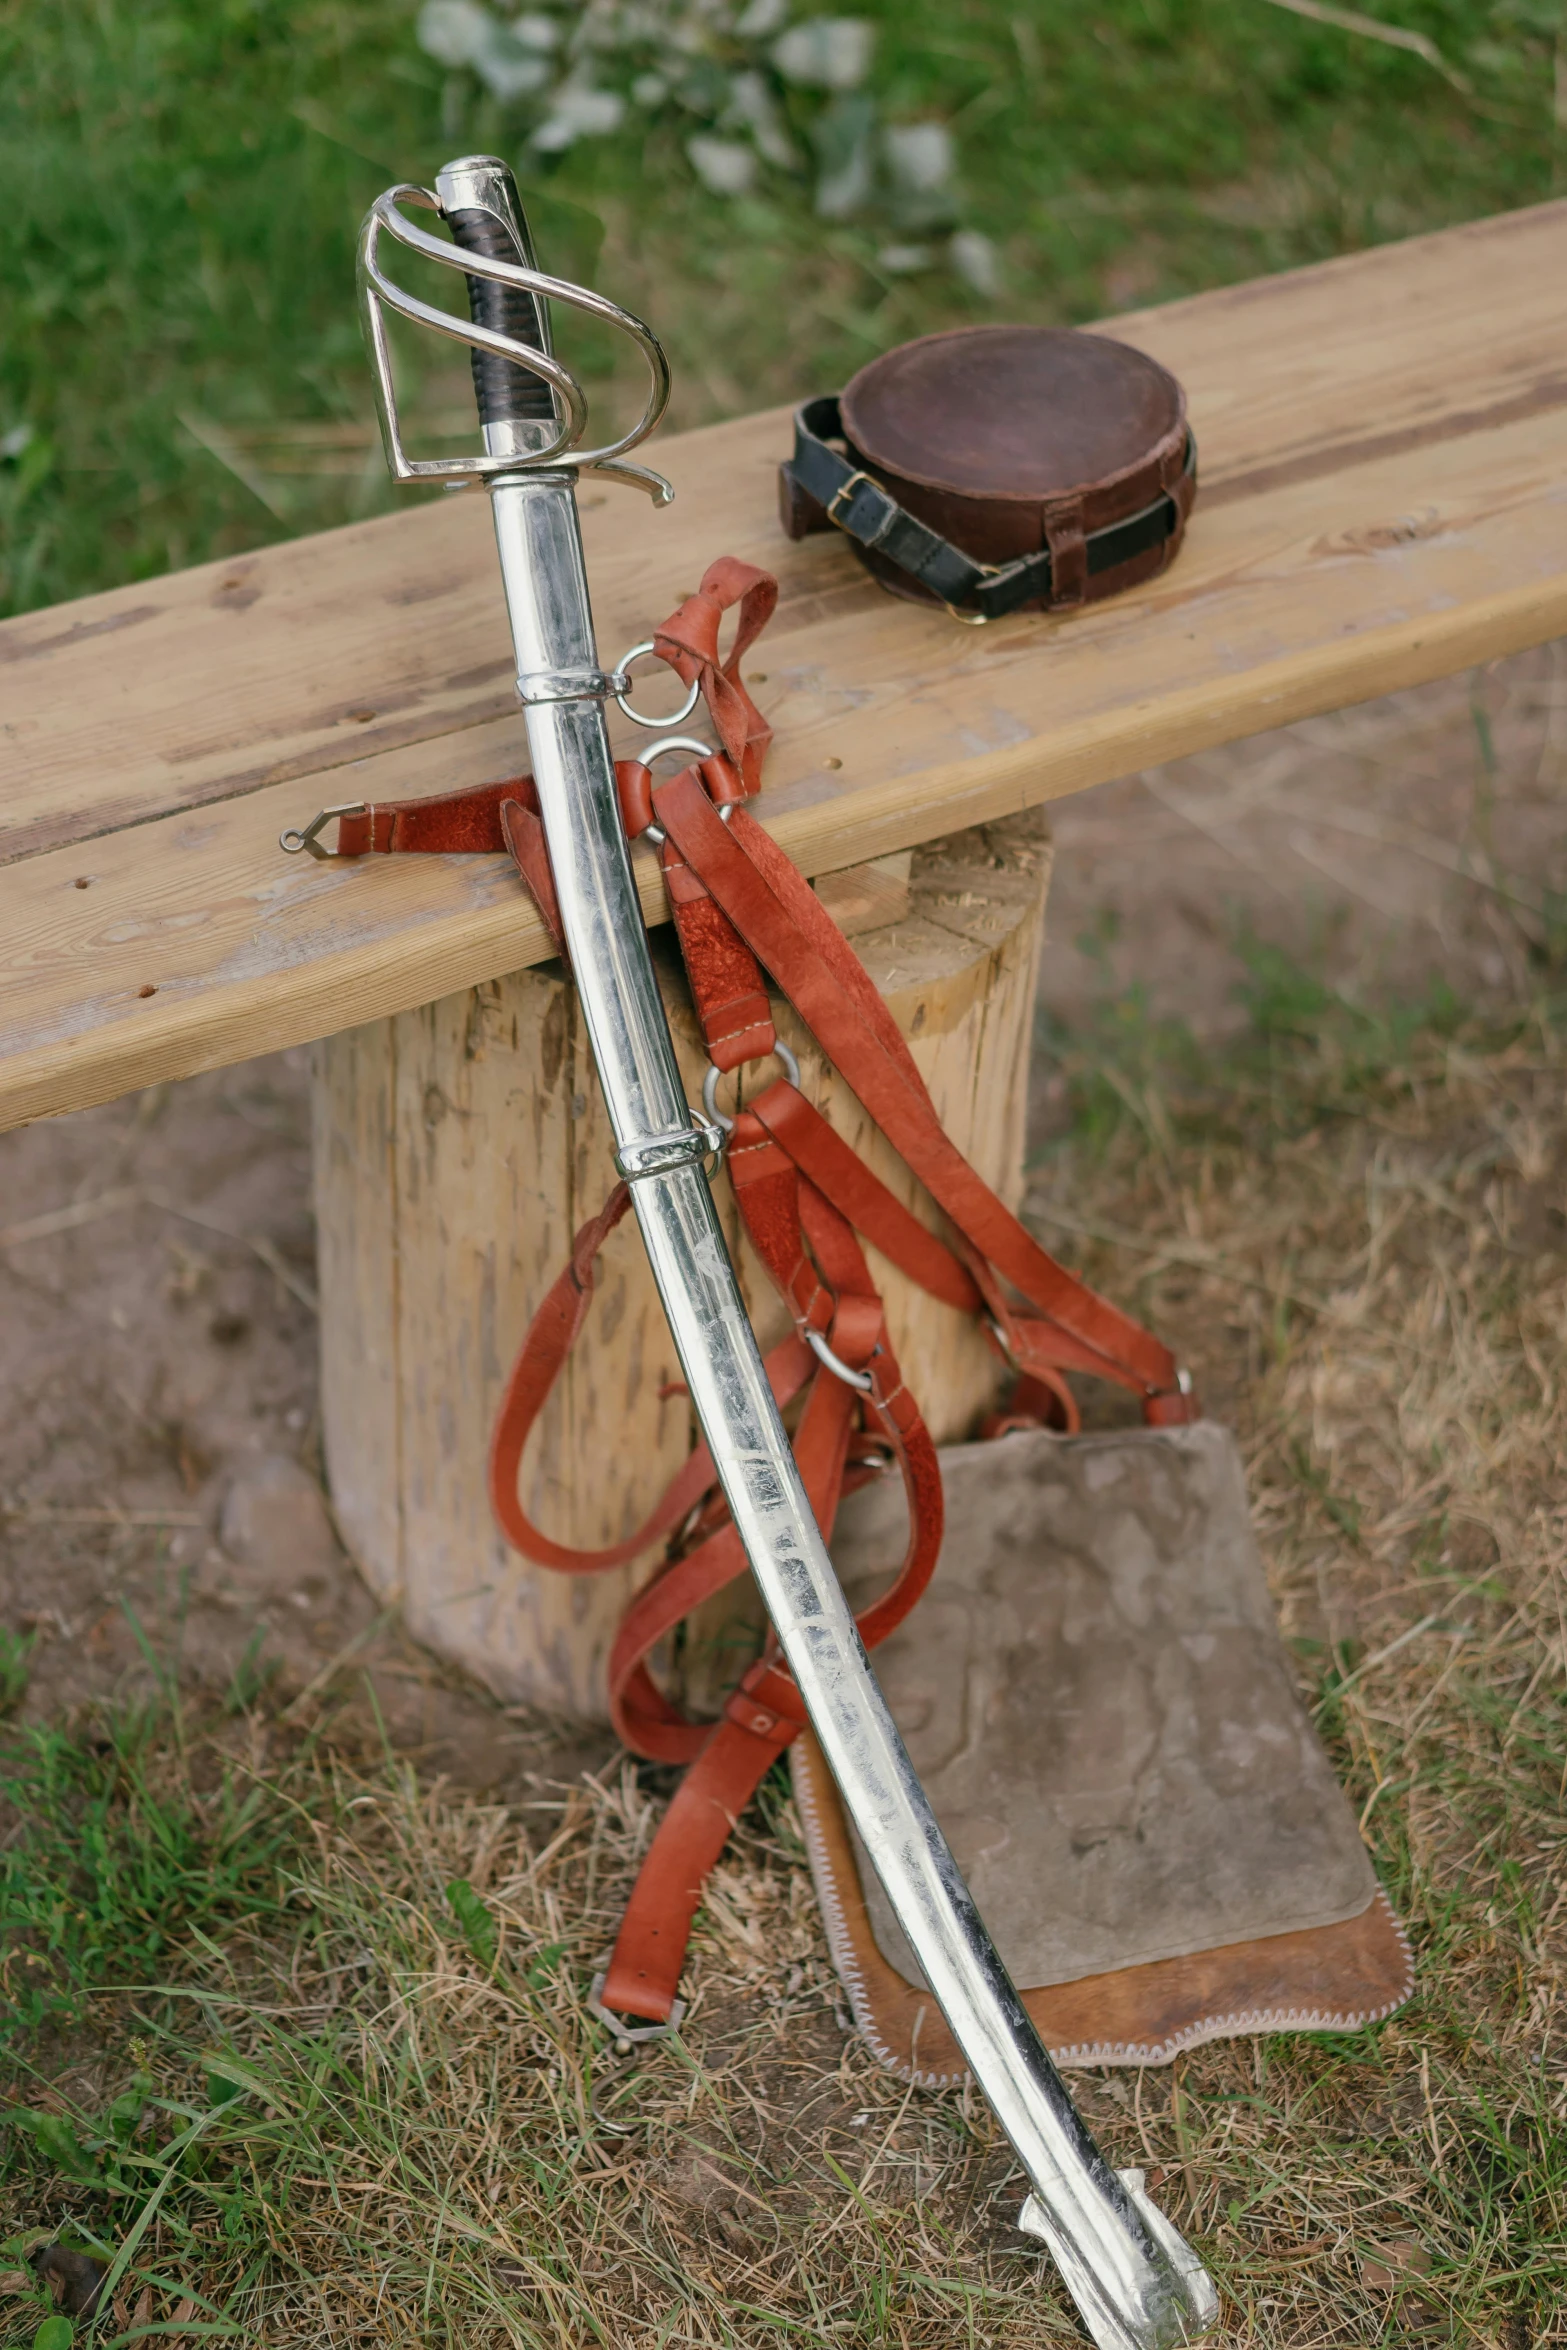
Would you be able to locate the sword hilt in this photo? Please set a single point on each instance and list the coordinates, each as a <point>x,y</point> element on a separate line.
<point>533,409</point>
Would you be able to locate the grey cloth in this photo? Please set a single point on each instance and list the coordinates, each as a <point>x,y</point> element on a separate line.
<point>1096,1697</point>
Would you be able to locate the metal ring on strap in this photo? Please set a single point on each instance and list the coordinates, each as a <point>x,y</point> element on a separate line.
<point>836,1364</point>
<point>781,1052</point>
<point>676,717</point>
<point>671,742</point>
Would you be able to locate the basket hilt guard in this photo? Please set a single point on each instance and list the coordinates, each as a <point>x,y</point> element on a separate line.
<point>533,410</point>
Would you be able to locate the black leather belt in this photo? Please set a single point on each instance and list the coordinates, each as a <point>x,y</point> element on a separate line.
<point>856,503</point>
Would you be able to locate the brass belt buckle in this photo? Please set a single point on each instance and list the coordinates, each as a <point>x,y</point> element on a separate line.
<point>846,489</point>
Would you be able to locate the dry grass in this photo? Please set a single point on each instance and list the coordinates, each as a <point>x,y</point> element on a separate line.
<point>432,2140</point>
<point>1358,1234</point>
<point>1362,1239</point>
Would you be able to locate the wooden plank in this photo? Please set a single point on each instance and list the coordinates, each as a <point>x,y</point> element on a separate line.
<point>1384,466</point>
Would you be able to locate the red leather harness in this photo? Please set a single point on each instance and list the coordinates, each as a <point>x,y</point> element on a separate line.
<point>740,907</point>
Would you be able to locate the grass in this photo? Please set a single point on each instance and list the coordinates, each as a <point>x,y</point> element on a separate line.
<point>350,2083</point>
<point>123,1855</point>
<point>180,371</point>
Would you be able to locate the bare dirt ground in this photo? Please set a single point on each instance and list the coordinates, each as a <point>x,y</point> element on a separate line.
<point>159,1443</point>
<point>1406,843</point>
<point>160,1454</point>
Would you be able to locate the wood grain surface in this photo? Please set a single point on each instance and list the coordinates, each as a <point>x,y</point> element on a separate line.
<point>1384,498</point>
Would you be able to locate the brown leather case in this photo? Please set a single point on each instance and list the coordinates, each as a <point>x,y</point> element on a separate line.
<point>1097,1700</point>
<point>1007,439</point>
<point>1322,1979</point>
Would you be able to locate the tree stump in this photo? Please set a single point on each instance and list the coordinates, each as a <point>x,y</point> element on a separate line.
<point>457,1150</point>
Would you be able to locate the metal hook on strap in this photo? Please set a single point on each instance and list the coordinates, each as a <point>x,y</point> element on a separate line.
<point>292,841</point>
<point>836,1364</point>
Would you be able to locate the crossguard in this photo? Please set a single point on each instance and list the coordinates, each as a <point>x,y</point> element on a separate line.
<point>378,292</point>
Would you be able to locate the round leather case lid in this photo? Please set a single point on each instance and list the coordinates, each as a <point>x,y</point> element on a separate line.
<point>1012,412</point>
<point>1008,440</point>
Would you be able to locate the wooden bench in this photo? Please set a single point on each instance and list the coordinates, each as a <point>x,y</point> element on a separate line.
<point>1383,499</point>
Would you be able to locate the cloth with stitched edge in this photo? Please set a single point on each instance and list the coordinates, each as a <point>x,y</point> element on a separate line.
<point>1096,1697</point>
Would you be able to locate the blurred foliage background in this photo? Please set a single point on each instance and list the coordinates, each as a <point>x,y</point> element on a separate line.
<point>180,368</point>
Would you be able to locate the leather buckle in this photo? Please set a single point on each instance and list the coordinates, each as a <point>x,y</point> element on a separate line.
<point>844,490</point>
<point>996,578</point>
<point>625,2034</point>
<point>848,490</point>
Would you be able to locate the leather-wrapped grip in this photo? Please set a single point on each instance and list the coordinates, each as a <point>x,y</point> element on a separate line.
<point>505,393</point>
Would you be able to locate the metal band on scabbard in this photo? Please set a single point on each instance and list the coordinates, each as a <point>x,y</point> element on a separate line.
<point>656,1154</point>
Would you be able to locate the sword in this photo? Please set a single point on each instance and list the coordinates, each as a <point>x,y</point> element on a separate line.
<point>1137,2284</point>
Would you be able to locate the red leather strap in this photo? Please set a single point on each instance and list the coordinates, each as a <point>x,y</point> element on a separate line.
<point>1040,1399</point>
<point>767,1189</point>
<point>732,1001</point>
<point>728,1762</point>
<point>650,1948</point>
<point>454,823</point>
<point>829,1286</point>
<point>688,641</point>
<point>1038,1344</point>
<point>863,1198</point>
<point>784,923</point>
<point>857,1334</point>
<point>1040,1348</point>
<point>550,1337</point>
<point>738,905</point>
<point>650,1722</point>
<point>524,836</point>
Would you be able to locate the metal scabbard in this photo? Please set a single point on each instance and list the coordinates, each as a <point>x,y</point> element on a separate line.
<point>1136,2283</point>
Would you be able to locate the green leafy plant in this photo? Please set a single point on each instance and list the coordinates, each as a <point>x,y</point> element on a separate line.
<point>57,2141</point>
<point>479,1929</point>
<point>16,1649</point>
